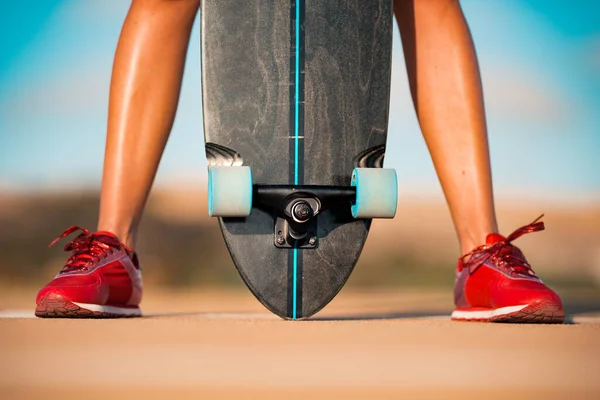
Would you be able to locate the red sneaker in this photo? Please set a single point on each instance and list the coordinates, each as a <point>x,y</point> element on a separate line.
<point>494,282</point>
<point>102,278</point>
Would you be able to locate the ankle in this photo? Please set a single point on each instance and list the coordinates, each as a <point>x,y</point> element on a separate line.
<point>126,235</point>
<point>471,240</point>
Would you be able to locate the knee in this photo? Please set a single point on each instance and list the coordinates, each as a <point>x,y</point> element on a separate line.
<point>426,13</point>
<point>192,4</point>
<point>425,5</point>
<point>436,6</point>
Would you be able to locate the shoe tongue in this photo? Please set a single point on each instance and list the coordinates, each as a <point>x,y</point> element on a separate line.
<point>106,233</point>
<point>494,238</point>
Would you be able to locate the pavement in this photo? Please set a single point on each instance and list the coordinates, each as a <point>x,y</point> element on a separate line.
<point>217,343</point>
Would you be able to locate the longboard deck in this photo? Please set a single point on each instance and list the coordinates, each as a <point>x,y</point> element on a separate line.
<point>299,91</point>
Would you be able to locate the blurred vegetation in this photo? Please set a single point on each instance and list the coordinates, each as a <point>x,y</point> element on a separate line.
<point>170,253</point>
<point>175,252</point>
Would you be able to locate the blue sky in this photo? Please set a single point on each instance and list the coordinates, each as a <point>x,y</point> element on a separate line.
<point>540,63</point>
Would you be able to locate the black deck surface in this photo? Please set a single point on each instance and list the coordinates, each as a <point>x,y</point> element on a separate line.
<point>299,91</point>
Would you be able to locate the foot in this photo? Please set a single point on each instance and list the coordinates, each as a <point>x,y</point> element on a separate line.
<point>102,278</point>
<point>494,282</point>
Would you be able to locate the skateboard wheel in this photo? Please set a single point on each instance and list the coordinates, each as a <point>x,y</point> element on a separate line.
<point>229,191</point>
<point>376,192</point>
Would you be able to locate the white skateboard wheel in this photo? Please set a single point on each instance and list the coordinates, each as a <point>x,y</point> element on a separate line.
<point>376,192</point>
<point>229,191</point>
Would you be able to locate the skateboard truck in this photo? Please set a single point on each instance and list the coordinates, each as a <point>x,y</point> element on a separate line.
<point>373,193</point>
<point>298,227</point>
<point>297,208</point>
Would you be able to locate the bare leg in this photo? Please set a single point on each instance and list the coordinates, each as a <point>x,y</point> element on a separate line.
<point>446,89</point>
<point>144,94</point>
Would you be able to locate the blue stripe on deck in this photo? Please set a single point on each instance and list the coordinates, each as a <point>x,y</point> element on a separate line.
<point>296,152</point>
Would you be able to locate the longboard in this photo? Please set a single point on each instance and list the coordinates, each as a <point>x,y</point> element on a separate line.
<point>296,107</point>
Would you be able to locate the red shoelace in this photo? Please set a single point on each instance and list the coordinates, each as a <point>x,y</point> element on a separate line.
<point>87,248</point>
<point>503,252</point>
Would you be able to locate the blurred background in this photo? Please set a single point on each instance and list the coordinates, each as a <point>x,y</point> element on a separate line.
<point>540,65</point>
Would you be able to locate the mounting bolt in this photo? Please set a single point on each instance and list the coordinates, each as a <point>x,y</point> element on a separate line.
<point>302,211</point>
<point>280,240</point>
<point>312,240</point>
